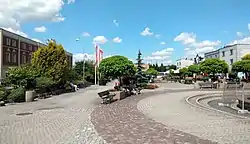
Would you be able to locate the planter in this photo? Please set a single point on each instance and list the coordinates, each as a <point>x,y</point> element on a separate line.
<point>29,95</point>
<point>119,95</point>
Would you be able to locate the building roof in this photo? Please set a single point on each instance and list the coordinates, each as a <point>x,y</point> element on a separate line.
<point>227,46</point>
<point>2,29</point>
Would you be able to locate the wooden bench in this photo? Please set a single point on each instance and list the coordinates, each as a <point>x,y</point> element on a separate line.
<point>207,85</point>
<point>106,96</point>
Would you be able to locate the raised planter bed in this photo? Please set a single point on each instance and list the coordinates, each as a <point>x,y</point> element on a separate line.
<point>119,95</point>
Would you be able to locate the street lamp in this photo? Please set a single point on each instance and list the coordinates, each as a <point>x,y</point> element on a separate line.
<point>83,67</point>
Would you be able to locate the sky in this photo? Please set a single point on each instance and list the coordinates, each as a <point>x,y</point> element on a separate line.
<point>164,30</point>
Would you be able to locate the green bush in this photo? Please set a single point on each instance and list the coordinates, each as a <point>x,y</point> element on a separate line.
<point>17,95</point>
<point>2,96</point>
<point>44,82</point>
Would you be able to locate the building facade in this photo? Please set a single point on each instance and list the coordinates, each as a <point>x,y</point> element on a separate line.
<point>184,62</point>
<point>16,50</point>
<point>230,54</point>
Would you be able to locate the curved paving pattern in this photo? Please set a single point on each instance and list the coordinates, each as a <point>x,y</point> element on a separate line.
<point>122,123</point>
<point>63,119</point>
<point>174,111</point>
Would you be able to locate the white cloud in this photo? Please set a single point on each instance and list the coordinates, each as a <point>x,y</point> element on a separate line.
<point>146,32</point>
<point>100,40</point>
<point>37,40</point>
<point>240,34</point>
<point>80,56</point>
<point>40,29</point>
<point>163,43</point>
<point>186,38</point>
<point>164,52</point>
<point>245,40</point>
<point>85,34</point>
<point>193,46</point>
<point>157,35</point>
<point>116,23</point>
<point>117,40</point>
<point>13,13</point>
<point>16,32</point>
<point>71,1</point>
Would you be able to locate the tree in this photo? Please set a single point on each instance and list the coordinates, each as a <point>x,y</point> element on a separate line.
<point>141,78</point>
<point>213,66</point>
<point>162,68</point>
<point>152,72</point>
<point>89,70</point>
<point>242,66</point>
<point>24,76</point>
<point>51,61</point>
<point>184,72</point>
<point>246,57</point>
<point>194,69</point>
<point>117,67</point>
<point>173,67</point>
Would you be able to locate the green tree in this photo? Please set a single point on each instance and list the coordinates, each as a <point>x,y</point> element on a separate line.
<point>23,76</point>
<point>194,69</point>
<point>184,72</point>
<point>117,67</point>
<point>242,66</point>
<point>51,61</point>
<point>173,67</point>
<point>246,57</point>
<point>162,68</point>
<point>141,78</point>
<point>152,71</point>
<point>213,66</point>
<point>89,70</point>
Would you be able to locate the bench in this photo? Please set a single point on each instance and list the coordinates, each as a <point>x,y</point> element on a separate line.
<point>233,85</point>
<point>207,85</point>
<point>106,96</point>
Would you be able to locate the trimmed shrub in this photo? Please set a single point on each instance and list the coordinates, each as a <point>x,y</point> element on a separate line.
<point>3,97</point>
<point>17,95</point>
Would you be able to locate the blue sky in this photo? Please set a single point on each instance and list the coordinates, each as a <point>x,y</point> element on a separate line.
<point>186,27</point>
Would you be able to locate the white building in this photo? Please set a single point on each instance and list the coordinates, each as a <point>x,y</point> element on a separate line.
<point>230,53</point>
<point>184,62</point>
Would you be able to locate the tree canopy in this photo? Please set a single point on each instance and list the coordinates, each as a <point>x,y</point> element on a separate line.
<point>194,69</point>
<point>117,67</point>
<point>213,66</point>
<point>246,57</point>
<point>51,61</point>
<point>89,70</point>
<point>241,66</point>
<point>152,71</point>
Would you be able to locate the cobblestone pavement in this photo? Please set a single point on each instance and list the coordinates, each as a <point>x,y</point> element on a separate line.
<point>172,110</point>
<point>57,120</point>
<point>122,123</point>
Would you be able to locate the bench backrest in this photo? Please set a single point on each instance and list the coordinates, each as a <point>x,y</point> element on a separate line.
<point>104,93</point>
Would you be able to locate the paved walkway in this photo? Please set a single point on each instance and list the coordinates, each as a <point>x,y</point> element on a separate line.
<point>172,110</point>
<point>60,119</point>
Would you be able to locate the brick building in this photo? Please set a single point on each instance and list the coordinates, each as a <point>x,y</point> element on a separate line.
<point>16,50</point>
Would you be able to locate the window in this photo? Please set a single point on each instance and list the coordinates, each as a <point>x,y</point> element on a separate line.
<point>223,53</point>
<point>8,41</point>
<point>29,58</point>
<point>215,56</point>
<point>24,45</point>
<point>231,52</point>
<point>24,57</point>
<point>7,55</point>
<point>14,55</point>
<point>13,43</point>
<point>231,61</point>
<point>30,47</point>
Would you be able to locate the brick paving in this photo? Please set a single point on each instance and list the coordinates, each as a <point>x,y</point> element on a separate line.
<point>61,119</point>
<point>173,111</point>
<point>121,122</point>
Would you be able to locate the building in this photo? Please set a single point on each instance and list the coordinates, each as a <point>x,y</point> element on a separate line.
<point>145,67</point>
<point>16,50</point>
<point>184,62</point>
<point>230,53</point>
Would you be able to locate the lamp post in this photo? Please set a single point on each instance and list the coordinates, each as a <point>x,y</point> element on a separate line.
<point>83,67</point>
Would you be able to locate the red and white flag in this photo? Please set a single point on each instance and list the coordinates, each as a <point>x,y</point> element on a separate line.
<point>98,55</point>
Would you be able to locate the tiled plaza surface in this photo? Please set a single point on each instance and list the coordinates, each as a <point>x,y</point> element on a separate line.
<point>156,116</point>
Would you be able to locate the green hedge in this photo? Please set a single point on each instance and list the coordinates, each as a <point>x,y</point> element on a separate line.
<point>17,95</point>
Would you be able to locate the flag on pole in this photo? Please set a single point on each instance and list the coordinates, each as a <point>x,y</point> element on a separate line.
<point>98,55</point>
